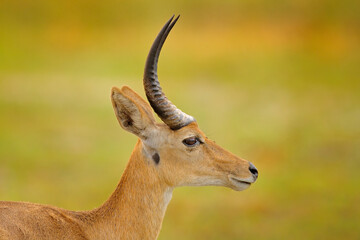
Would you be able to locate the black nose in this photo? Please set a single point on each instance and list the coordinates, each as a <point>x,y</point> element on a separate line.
<point>253,170</point>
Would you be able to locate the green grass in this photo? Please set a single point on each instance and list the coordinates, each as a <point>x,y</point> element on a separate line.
<point>280,90</point>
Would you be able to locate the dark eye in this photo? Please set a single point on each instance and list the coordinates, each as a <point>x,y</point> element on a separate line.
<point>191,141</point>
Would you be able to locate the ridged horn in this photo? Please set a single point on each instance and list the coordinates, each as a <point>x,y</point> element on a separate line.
<point>164,108</point>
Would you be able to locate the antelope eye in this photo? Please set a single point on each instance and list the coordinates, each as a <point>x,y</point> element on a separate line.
<point>191,141</point>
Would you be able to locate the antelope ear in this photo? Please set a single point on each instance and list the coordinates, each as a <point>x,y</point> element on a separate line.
<point>132,112</point>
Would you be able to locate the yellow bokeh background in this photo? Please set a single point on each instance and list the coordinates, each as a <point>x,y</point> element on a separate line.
<point>275,82</point>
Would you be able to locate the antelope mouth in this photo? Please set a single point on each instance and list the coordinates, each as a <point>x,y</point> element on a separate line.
<point>240,181</point>
<point>240,184</point>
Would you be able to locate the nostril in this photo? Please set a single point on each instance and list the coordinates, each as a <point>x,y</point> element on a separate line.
<point>253,170</point>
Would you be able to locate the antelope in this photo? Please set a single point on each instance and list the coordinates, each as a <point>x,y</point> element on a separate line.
<point>167,155</point>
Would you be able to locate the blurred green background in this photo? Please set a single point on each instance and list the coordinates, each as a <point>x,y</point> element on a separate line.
<point>275,82</point>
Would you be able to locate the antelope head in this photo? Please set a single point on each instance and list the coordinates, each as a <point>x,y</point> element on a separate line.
<point>177,150</point>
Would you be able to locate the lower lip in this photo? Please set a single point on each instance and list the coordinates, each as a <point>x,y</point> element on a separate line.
<point>239,181</point>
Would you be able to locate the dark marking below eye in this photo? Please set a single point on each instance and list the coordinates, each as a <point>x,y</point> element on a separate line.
<point>156,158</point>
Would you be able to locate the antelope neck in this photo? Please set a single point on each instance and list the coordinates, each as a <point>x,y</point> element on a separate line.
<point>137,206</point>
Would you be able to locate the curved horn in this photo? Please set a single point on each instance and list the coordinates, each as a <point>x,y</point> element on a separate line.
<point>166,110</point>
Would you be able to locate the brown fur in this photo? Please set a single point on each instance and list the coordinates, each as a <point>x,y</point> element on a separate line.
<point>136,208</point>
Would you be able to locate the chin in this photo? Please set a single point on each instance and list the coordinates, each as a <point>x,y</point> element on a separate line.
<point>240,186</point>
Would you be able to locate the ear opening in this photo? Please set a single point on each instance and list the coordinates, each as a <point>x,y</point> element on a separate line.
<point>132,112</point>
<point>139,100</point>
